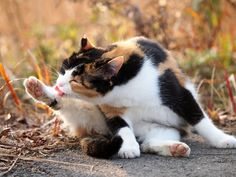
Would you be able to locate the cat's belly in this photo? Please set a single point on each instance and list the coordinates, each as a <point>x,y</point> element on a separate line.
<point>144,118</point>
<point>77,113</point>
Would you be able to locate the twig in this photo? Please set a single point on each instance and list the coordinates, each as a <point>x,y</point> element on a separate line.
<point>92,167</point>
<point>212,85</point>
<point>48,161</point>
<point>48,123</point>
<point>7,80</point>
<point>230,92</point>
<point>37,128</point>
<point>11,81</point>
<point>11,167</point>
<point>200,84</point>
<point>33,61</point>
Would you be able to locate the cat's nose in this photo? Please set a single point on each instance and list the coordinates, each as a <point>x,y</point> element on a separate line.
<point>59,91</point>
<point>60,84</point>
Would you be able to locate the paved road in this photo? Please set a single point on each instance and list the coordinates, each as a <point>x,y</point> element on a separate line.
<point>204,161</point>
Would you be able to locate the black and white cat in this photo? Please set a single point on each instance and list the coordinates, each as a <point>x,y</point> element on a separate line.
<point>143,81</point>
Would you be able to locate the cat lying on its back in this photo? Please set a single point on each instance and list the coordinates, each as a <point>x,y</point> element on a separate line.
<point>143,82</point>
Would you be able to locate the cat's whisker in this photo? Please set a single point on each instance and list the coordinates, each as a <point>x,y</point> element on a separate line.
<point>53,70</point>
<point>54,74</point>
<point>14,80</point>
<point>11,81</point>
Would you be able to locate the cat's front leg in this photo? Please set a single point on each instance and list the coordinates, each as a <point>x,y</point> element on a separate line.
<point>41,92</point>
<point>130,147</point>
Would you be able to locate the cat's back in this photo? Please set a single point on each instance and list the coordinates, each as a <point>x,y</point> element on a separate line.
<point>138,51</point>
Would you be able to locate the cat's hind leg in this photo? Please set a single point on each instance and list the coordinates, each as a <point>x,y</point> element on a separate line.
<point>182,100</point>
<point>165,141</point>
<point>215,136</point>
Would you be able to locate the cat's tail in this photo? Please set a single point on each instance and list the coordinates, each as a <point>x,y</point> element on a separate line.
<point>101,147</point>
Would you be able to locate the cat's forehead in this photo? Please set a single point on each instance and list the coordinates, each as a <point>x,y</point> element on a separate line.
<point>79,58</point>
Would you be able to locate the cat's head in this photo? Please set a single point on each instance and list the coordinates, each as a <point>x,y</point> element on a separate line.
<point>88,74</point>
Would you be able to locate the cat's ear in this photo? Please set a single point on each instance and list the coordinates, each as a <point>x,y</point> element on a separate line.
<point>86,44</point>
<point>113,66</point>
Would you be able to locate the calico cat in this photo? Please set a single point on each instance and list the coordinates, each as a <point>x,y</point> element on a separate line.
<point>151,95</point>
<point>83,119</point>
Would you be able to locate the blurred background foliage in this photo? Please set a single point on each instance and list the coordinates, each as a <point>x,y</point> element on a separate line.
<point>36,35</point>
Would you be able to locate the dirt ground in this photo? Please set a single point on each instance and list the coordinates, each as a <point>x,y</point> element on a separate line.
<point>203,161</point>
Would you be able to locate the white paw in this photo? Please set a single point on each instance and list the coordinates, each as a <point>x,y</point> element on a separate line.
<point>226,142</point>
<point>129,150</point>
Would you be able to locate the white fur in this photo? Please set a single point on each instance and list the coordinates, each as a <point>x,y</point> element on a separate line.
<point>164,148</point>
<point>75,113</point>
<point>130,147</point>
<point>141,90</point>
<point>208,130</point>
<point>160,139</point>
<point>63,81</point>
<point>190,86</point>
<point>215,136</point>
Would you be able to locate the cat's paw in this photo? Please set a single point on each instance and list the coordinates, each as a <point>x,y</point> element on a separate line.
<point>35,88</point>
<point>167,148</point>
<point>179,150</point>
<point>227,142</point>
<point>129,150</point>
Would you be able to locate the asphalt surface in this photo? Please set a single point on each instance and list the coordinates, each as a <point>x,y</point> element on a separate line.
<point>204,161</point>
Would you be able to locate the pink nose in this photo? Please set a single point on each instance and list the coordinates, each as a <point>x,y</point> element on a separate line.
<point>60,92</point>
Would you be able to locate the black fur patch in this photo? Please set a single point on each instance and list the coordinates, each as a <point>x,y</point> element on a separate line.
<point>84,42</point>
<point>101,147</point>
<point>116,123</point>
<point>94,53</point>
<point>179,99</point>
<point>129,70</point>
<point>53,103</point>
<point>102,86</point>
<point>105,147</point>
<point>75,59</point>
<point>152,50</point>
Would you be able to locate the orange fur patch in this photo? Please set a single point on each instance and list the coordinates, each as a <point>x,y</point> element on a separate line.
<point>83,132</point>
<point>125,49</point>
<point>110,111</point>
<point>79,88</point>
<point>170,63</point>
<point>80,132</point>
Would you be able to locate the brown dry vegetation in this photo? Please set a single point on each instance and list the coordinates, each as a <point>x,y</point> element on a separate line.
<point>36,35</point>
